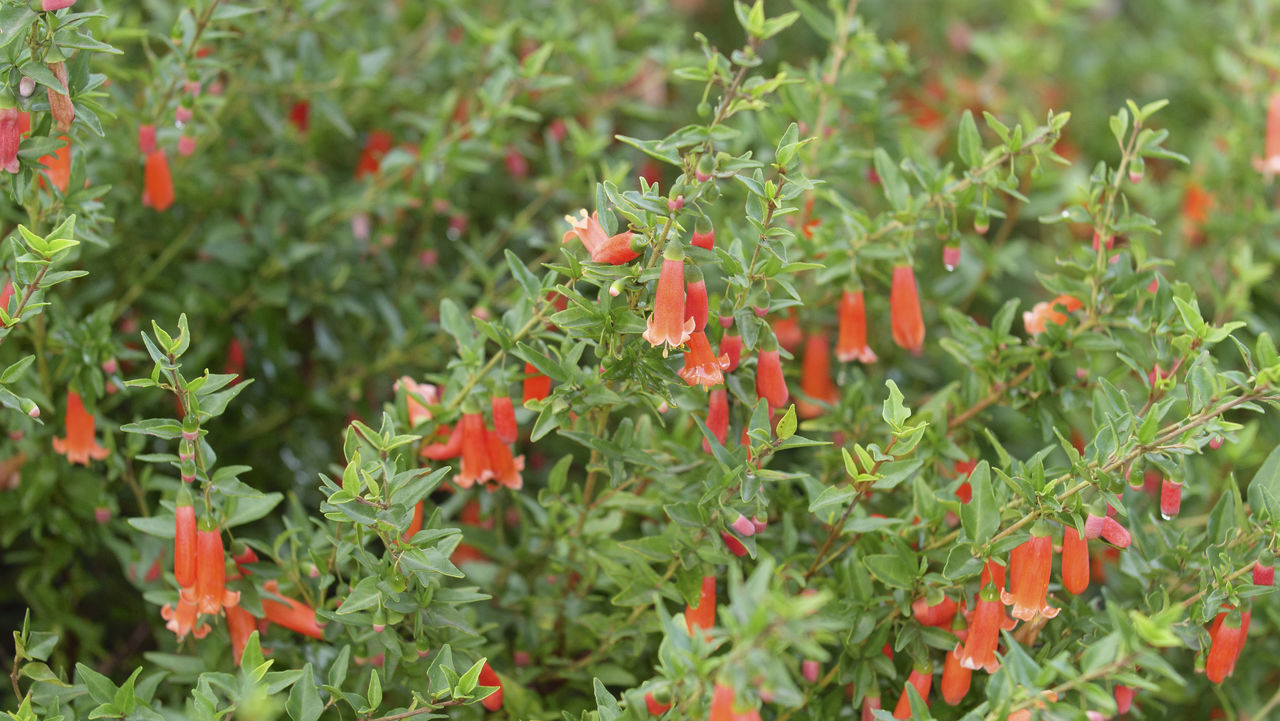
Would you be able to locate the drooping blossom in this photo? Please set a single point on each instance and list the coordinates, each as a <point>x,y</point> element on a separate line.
<point>1269,164</point>
<point>717,417</point>
<point>10,138</point>
<point>210,593</point>
<point>701,366</point>
<point>904,310</point>
<point>1124,698</point>
<point>1038,318</point>
<point>415,524</point>
<point>735,546</point>
<point>979,647</point>
<point>1170,498</point>
<point>376,147</point>
<point>489,677</point>
<point>417,397</point>
<point>52,5</point>
<point>504,418</point>
<point>955,678</point>
<point>703,615</point>
<point>1264,570</point>
<point>852,341</point>
<point>57,165</point>
<point>870,704</point>
<point>1196,206</point>
<point>922,679</point>
<point>1226,639</point>
<point>146,139</point>
<point>938,615</point>
<point>1115,533</point>
<point>721,703</point>
<point>1029,568</point>
<point>80,444</point>
<point>184,541</point>
<point>240,626</point>
<point>815,376</point>
<point>731,346</point>
<point>289,613</point>
<point>300,115</point>
<point>184,619</point>
<point>704,234</point>
<point>771,385</point>
<point>1075,561</point>
<point>695,299</point>
<point>158,191</point>
<point>654,706</point>
<point>667,326</point>
<point>611,249</point>
<point>536,385</point>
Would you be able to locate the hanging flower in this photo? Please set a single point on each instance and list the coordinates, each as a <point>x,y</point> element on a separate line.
<point>417,397</point>
<point>938,615</point>
<point>731,346</point>
<point>771,385</point>
<point>184,541</point>
<point>489,677</point>
<point>979,651</point>
<point>721,703</point>
<point>733,544</point>
<point>536,385</point>
<point>815,376</point>
<point>1270,162</point>
<point>158,191</point>
<point>474,450</point>
<point>704,234</point>
<point>870,704</point>
<point>852,341</point>
<point>1226,639</point>
<point>1029,567</point>
<point>504,418</point>
<point>701,367</point>
<point>289,613</point>
<point>183,619</point>
<point>240,626</point>
<point>904,308</point>
<point>57,165</point>
<point>415,524</point>
<point>146,139</point>
<point>376,146</point>
<point>717,417</point>
<point>504,467</point>
<point>992,572</point>
<point>955,678</point>
<point>1264,570</point>
<point>1075,561</point>
<point>210,592</point>
<point>300,115</point>
<point>1170,498</point>
<point>1196,204</point>
<point>1115,533</point>
<point>921,678</point>
<point>703,615</point>
<point>695,299</point>
<point>667,325</point>
<point>10,139</point>
<point>1037,319</point>
<point>80,444</point>
<point>655,707</point>
<point>1124,698</point>
<point>613,250</point>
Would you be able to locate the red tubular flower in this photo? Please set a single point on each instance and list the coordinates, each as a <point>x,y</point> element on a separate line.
<point>1115,533</point>
<point>904,308</point>
<point>701,367</point>
<point>979,650</point>
<point>731,346</point>
<point>1271,152</point>
<point>815,376</point>
<point>870,704</point>
<point>536,385</point>
<point>955,679</point>
<point>240,626</point>
<point>1075,561</point>
<point>475,451</point>
<point>504,467</point>
<point>146,139</point>
<point>451,448</point>
<point>158,191</point>
<point>58,165</point>
<point>79,445</point>
<point>1170,498</point>
<point>300,115</point>
<point>10,138</point>
<point>183,619</point>
<point>788,332</point>
<point>655,707</point>
<point>922,678</point>
<point>733,544</point>
<point>721,704</point>
<point>1227,639</point>
<point>504,419</point>
<point>489,677</point>
<point>52,5</point>
<point>704,234</point>
<point>770,383</point>
<point>289,613</point>
<point>938,615</point>
<point>717,418</point>
<point>375,147</point>
<point>415,395</point>
<point>613,250</point>
<point>1124,698</point>
<point>1029,567</point>
<point>695,300</point>
<point>852,342</point>
<point>184,542</point>
<point>1264,570</point>
<point>210,592</point>
<point>667,325</point>
<point>415,525</point>
<point>703,615</point>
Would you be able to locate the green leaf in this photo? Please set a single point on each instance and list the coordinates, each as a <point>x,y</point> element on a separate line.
<point>894,413</point>
<point>892,570</point>
<point>970,143</point>
<point>981,515</point>
<point>1264,489</point>
<point>469,680</point>
<point>895,186</point>
<point>787,425</point>
<point>606,704</point>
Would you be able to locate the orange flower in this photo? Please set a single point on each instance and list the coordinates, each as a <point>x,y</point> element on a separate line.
<point>922,679</point>
<point>489,677</point>
<point>504,467</point>
<point>58,165</point>
<point>701,367</point>
<point>1029,567</point>
<point>955,678</point>
<point>703,615</point>
<point>1270,163</point>
<point>1227,637</point>
<point>852,343</point>
<point>79,445</point>
<point>417,397</point>
<point>695,299</point>
<point>10,138</point>
<point>721,703</point>
<point>717,417</point>
<point>504,418</point>
<point>979,650</point>
<point>1075,561</point>
<point>415,525</point>
<point>667,325</point>
<point>536,385</point>
<point>184,542</point>
<point>375,147</point>
<point>938,615</point>
<point>731,346</point>
<point>815,376</point>
<point>289,613</point>
<point>904,308</point>
<point>1196,205</point>
<point>1042,314</point>
<point>210,593</point>
<point>183,619</point>
<point>614,249</point>
<point>158,191</point>
<point>770,383</point>
<point>240,626</point>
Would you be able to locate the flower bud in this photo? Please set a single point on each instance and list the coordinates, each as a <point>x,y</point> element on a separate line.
<point>26,86</point>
